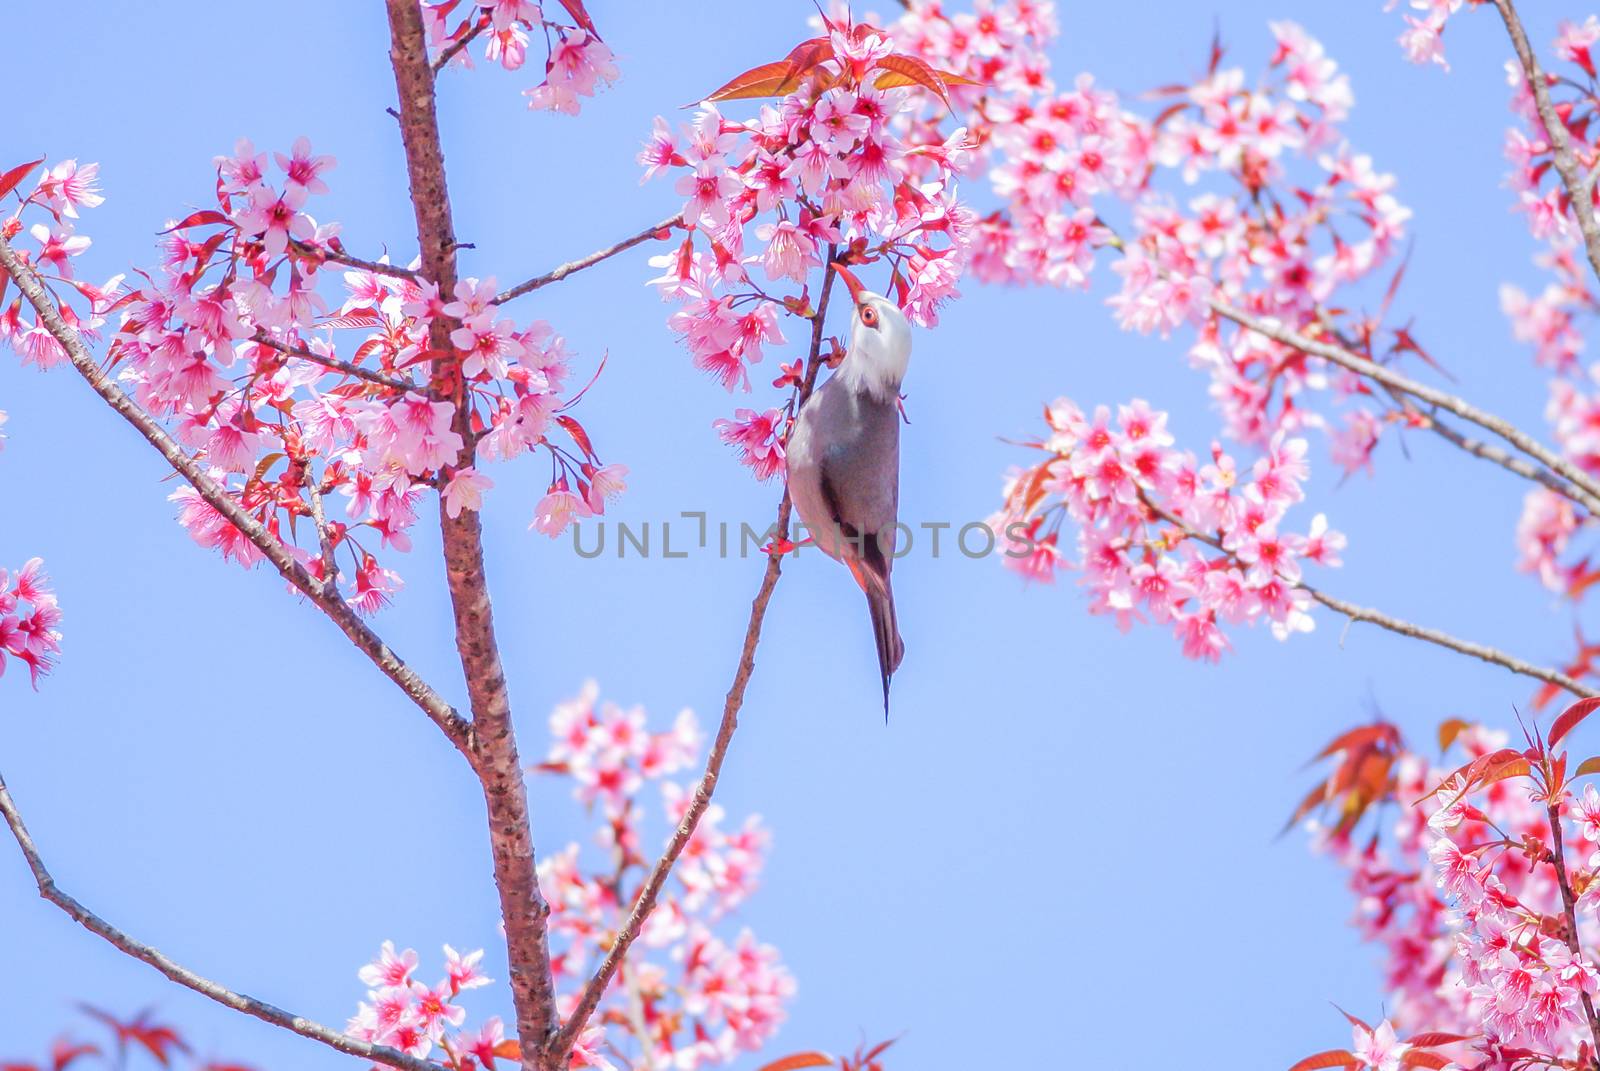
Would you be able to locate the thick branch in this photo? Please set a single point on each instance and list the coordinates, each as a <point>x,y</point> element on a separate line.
<point>1580,191</point>
<point>382,379</point>
<point>325,595</point>
<point>555,275</point>
<point>1518,438</point>
<point>493,747</point>
<point>1396,625</point>
<point>651,889</point>
<point>268,1013</point>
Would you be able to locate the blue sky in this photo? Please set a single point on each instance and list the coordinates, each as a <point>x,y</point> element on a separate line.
<point>1049,848</point>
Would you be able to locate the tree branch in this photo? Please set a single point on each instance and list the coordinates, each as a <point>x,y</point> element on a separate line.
<point>645,902</point>
<point>555,275</point>
<point>1518,438</point>
<point>1579,190</point>
<point>493,745</point>
<point>336,256</point>
<point>267,1013</point>
<point>450,53</point>
<point>325,595</point>
<point>1558,852</point>
<point>1396,625</point>
<point>382,379</point>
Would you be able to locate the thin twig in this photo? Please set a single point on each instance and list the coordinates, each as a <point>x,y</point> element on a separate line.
<point>1496,456</point>
<point>450,53</point>
<point>382,379</point>
<point>1396,625</point>
<point>339,257</point>
<point>1345,358</point>
<point>260,1009</point>
<point>1579,191</point>
<point>325,595</point>
<point>1558,852</point>
<point>493,744</point>
<point>555,275</point>
<point>651,889</point>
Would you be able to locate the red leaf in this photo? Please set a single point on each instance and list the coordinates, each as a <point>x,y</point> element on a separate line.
<point>581,17</point>
<point>1358,737</point>
<point>509,1050</point>
<point>579,436</point>
<point>13,178</point>
<point>901,70</point>
<point>783,76</point>
<point>1588,766</point>
<point>1434,1038</point>
<point>1421,1058</point>
<point>795,1061</point>
<point>1449,730</point>
<point>355,318</point>
<point>202,218</point>
<point>1570,718</point>
<point>1331,1058</point>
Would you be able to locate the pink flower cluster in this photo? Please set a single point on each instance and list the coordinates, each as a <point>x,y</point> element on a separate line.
<point>1246,194</point>
<point>685,996</point>
<point>577,63</point>
<point>823,170</point>
<point>1461,893</point>
<point>232,341</point>
<point>28,619</point>
<point>406,1013</point>
<point>1423,38</point>
<point>1163,536</point>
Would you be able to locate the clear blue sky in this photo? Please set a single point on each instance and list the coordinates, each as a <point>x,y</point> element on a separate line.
<point>1049,848</point>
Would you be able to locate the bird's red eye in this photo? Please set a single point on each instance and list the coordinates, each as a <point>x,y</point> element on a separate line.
<point>869,316</point>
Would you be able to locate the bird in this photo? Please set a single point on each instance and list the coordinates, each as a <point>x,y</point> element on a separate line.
<point>843,459</point>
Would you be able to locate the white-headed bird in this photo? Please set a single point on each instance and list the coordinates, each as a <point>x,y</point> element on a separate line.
<point>844,460</point>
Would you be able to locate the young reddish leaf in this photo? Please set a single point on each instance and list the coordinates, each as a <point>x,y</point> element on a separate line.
<point>1358,737</point>
<point>1362,1023</point>
<point>951,78</point>
<point>1517,767</point>
<point>509,1050</point>
<point>1449,730</point>
<point>579,15</point>
<point>579,436</point>
<point>767,80</point>
<point>901,70</point>
<point>355,318</point>
<point>795,1061</point>
<point>1421,1058</point>
<point>201,218</point>
<point>1432,1039</point>
<point>13,178</point>
<point>1331,1058</point>
<point>1570,718</point>
<point>64,1053</point>
<point>1588,766</point>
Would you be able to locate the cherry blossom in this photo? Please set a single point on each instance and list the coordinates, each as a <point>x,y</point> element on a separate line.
<point>29,615</point>
<point>577,64</point>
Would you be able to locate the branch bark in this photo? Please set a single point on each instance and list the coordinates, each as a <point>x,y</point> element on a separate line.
<point>260,1009</point>
<point>382,379</point>
<point>555,275</point>
<point>1579,189</point>
<point>1345,358</point>
<point>1397,625</point>
<point>645,902</point>
<point>493,745</point>
<point>1558,852</point>
<point>325,595</point>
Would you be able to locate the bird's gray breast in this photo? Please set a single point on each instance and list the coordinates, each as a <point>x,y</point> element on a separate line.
<point>844,467</point>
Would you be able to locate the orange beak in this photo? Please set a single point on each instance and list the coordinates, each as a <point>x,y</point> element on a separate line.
<point>850,280</point>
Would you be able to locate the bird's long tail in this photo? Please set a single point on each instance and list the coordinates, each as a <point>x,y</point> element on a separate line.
<point>891,649</point>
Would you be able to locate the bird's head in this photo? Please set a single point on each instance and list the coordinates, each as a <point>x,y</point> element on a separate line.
<point>880,341</point>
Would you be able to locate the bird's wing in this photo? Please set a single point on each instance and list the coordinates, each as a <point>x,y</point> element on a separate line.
<point>859,477</point>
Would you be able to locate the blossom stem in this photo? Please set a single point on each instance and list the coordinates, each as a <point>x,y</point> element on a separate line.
<point>492,744</point>
<point>555,275</point>
<point>323,593</point>
<point>1396,625</point>
<point>1580,191</point>
<point>1441,399</point>
<point>1558,856</point>
<point>450,53</point>
<point>268,1013</point>
<point>645,902</point>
